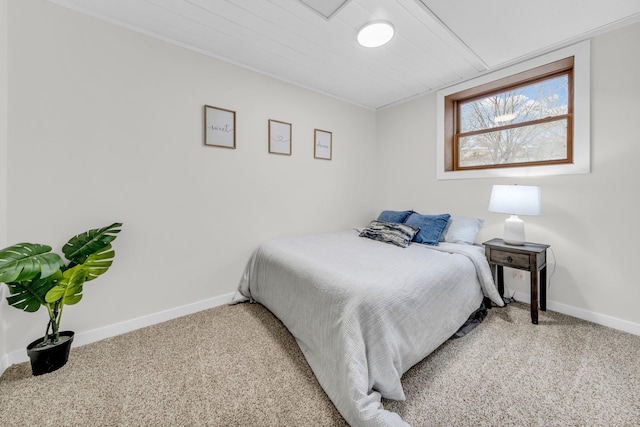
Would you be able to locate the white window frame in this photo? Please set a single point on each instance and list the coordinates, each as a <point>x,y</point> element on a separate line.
<point>581,120</point>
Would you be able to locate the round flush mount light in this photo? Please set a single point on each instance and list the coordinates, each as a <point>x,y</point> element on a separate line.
<point>375,34</point>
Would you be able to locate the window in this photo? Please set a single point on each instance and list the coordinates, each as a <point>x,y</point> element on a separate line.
<point>507,123</point>
<point>518,122</point>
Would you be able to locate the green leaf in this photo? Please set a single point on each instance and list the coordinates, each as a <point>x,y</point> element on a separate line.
<point>74,298</point>
<point>99,262</point>
<point>69,288</point>
<point>25,261</point>
<point>79,247</point>
<point>30,295</point>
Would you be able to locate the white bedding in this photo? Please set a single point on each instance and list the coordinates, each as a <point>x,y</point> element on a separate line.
<point>363,312</point>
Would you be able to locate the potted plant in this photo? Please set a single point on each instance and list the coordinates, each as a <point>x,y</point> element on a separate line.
<point>38,277</point>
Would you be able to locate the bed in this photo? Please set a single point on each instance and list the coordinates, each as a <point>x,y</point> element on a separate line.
<point>363,312</point>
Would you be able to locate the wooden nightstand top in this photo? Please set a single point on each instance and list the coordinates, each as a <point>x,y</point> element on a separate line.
<point>526,248</point>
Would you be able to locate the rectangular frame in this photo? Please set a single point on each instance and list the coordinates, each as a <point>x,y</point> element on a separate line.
<point>279,137</point>
<point>219,127</point>
<point>581,53</point>
<point>323,145</point>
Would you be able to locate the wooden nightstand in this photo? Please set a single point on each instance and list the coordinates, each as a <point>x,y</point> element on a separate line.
<point>531,257</point>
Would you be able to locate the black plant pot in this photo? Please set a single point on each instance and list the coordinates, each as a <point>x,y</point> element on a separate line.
<point>51,357</point>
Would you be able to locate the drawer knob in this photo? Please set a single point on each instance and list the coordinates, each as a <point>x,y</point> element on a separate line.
<point>509,259</point>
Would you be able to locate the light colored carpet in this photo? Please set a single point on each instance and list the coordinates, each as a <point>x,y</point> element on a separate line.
<point>238,366</point>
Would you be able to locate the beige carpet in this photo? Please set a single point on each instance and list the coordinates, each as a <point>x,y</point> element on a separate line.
<point>238,366</point>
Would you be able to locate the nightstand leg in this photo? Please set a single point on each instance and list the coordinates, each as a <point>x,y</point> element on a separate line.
<point>500,280</point>
<point>534,296</point>
<point>543,288</point>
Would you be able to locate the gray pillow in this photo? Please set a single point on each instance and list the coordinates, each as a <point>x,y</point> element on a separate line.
<point>388,232</point>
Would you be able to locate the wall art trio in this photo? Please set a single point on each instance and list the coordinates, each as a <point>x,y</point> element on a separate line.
<point>220,131</point>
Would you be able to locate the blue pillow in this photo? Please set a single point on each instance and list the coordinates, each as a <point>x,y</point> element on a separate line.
<point>394,216</point>
<point>431,227</point>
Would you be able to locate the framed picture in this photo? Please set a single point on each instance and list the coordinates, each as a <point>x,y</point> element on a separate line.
<point>279,137</point>
<point>322,145</point>
<point>219,127</point>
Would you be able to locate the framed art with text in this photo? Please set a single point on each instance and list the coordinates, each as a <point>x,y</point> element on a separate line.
<point>322,144</point>
<point>279,137</point>
<point>219,127</point>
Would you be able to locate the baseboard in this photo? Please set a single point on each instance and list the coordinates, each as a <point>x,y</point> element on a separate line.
<point>600,319</point>
<point>124,327</point>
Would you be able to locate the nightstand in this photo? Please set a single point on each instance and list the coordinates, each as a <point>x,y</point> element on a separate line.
<point>531,257</point>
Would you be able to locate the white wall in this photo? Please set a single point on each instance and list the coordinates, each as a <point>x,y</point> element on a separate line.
<point>3,163</point>
<point>107,125</point>
<point>590,221</point>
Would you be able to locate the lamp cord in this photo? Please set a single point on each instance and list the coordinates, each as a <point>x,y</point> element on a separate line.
<point>553,270</point>
<point>510,299</point>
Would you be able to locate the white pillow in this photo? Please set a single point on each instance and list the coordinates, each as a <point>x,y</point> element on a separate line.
<point>462,230</point>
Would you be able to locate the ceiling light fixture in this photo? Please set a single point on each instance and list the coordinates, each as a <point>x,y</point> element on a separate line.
<point>375,34</point>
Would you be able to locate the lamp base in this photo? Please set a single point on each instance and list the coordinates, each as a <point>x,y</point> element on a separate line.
<point>514,231</point>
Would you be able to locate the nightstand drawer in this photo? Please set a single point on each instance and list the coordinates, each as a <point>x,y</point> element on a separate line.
<point>510,259</point>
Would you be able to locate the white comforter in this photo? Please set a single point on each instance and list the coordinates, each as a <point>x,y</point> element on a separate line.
<point>363,312</point>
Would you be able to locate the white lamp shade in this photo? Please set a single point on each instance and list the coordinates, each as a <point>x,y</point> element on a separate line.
<point>516,199</point>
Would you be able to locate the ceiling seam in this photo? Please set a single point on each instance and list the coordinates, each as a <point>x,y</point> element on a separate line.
<point>453,34</point>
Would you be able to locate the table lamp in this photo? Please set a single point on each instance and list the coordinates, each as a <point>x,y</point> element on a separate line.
<point>515,200</point>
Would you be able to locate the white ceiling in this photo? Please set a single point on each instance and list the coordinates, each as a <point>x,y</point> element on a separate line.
<point>437,43</point>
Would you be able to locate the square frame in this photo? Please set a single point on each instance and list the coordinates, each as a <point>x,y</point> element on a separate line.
<point>279,137</point>
<point>323,144</point>
<point>219,127</point>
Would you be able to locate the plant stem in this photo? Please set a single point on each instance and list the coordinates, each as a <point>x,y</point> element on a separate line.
<point>55,319</point>
<point>45,340</point>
